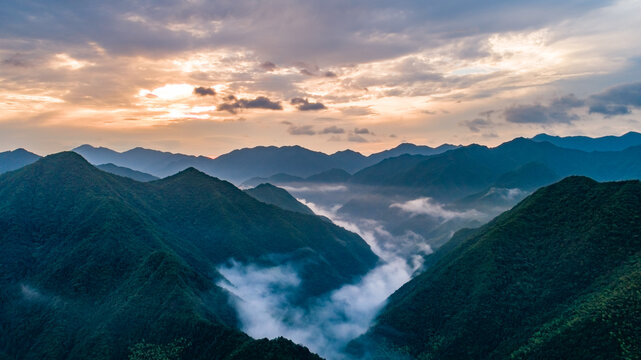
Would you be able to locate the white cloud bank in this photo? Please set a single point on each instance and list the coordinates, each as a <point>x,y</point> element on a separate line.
<point>427,206</point>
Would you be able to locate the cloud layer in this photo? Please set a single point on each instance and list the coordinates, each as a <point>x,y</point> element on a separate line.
<point>427,206</point>
<point>126,74</point>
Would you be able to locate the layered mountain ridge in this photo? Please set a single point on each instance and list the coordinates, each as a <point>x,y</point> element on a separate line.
<point>93,263</point>
<point>556,277</point>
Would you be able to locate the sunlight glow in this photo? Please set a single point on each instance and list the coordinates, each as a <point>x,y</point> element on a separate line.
<point>169,92</point>
<point>66,61</point>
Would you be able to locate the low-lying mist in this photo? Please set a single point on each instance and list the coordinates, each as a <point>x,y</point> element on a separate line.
<point>261,295</point>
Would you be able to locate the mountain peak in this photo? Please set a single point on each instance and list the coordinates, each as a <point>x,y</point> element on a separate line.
<point>91,147</point>
<point>192,171</point>
<point>69,162</point>
<point>69,157</point>
<point>406,146</point>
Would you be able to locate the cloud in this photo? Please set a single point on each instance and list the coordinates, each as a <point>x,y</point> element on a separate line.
<point>558,111</point>
<point>329,74</point>
<point>18,60</point>
<point>315,188</point>
<point>358,111</point>
<point>32,294</point>
<point>476,125</point>
<point>617,100</point>
<point>261,297</point>
<point>527,114</point>
<point>203,91</point>
<point>505,193</point>
<point>385,245</point>
<point>260,102</point>
<point>356,138</point>
<point>356,135</point>
<point>268,66</point>
<point>305,105</point>
<point>333,130</point>
<point>261,294</point>
<point>427,206</point>
<point>352,32</point>
<point>301,130</point>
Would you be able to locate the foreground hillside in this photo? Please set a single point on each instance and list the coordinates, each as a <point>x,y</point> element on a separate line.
<point>557,277</point>
<point>92,263</point>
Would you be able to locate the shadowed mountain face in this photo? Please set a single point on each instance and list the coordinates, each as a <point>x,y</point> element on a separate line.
<point>556,277</point>
<point>93,263</point>
<point>13,160</point>
<point>605,143</point>
<point>126,172</point>
<point>271,194</point>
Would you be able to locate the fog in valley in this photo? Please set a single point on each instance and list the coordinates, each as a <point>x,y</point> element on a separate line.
<point>263,296</point>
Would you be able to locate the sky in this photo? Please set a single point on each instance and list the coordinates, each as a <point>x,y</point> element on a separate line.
<point>207,77</point>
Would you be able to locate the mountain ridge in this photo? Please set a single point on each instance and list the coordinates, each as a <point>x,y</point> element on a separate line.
<point>242,164</point>
<point>585,143</point>
<point>93,262</point>
<point>554,277</point>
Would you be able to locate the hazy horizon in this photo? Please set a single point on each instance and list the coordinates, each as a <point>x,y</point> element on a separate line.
<point>391,146</point>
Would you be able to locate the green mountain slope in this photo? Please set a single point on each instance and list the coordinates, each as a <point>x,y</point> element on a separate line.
<point>274,195</point>
<point>556,277</point>
<point>92,263</point>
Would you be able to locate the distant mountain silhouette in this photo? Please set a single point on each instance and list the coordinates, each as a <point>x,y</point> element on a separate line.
<point>328,176</point>
<point>274,179</point>
<point>156,163</point>
<point>243,164</point>
<point>93,263</point>
<point>605,143</point>
<point>409,149</point>
<point>126,172</point>
<point>556,277</point>
<point>274,195</point>
<point>12,160</point>
<point>470,169</point>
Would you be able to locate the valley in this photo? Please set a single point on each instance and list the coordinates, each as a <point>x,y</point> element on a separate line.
<point>332,262</point>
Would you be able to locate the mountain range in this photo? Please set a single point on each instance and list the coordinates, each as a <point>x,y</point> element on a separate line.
<point>584,143</point>
<point>243,164</point>
<point>110,262</point>
<point>474,168</point>
<point>93,264</point>
<point>556,277</point>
